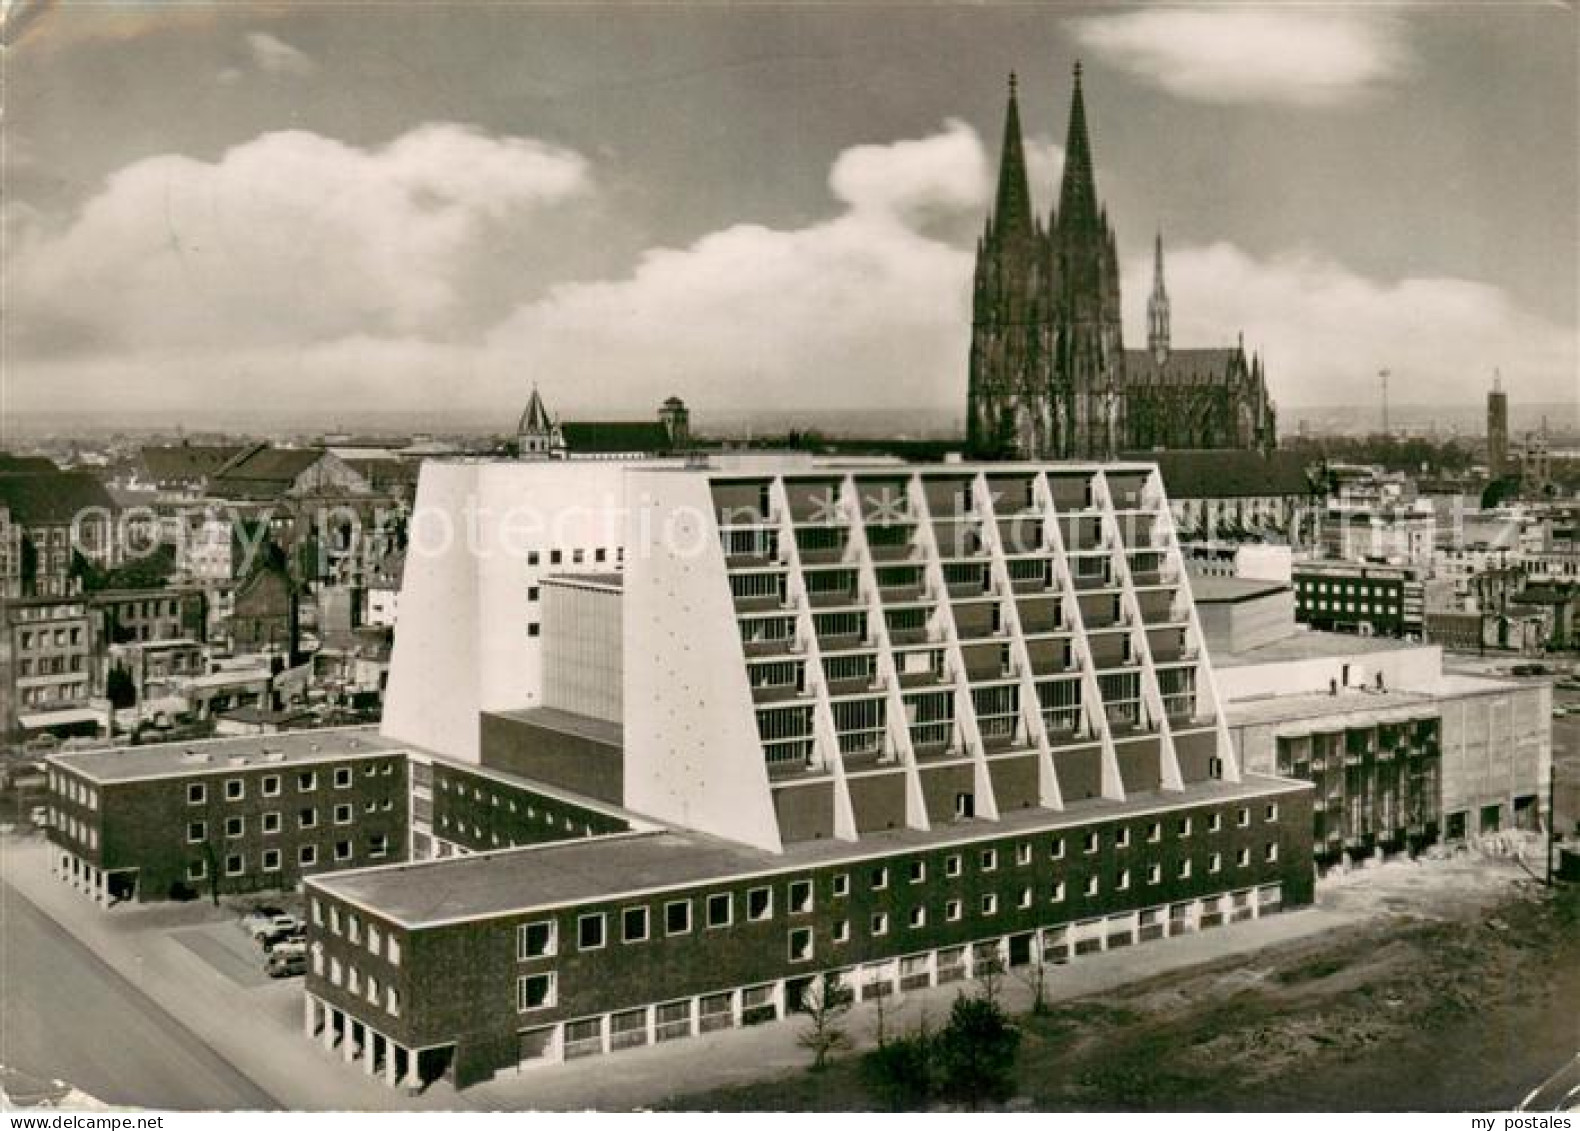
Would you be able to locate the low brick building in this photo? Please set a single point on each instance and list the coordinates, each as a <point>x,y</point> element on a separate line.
<point>225,816</point>
<point>465,967</point>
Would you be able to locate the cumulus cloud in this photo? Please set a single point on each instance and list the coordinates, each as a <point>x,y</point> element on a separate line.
<point>290,238</point>
<point>1325,330</point>
<point>1293,56</point>
<point>862,310</point>
<point>274,56</point>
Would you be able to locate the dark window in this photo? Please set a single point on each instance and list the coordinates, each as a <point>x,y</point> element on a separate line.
<point>633,925</point>
<point>759,903</point>
<point>589,932</point>
<point>719,910</point>
<point>677,917</point>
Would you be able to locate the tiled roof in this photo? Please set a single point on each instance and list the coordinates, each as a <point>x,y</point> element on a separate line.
<point>186,463</point>
<point>51,497</point>
<point>615,436</point>
<point>263,471</point>
<point>1182,367</point>
<point>1228,474</point>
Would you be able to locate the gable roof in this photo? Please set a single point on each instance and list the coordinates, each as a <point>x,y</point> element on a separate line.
<point>606,436</point>
<point>186,463</point>
<point>263,471</point>
<point>1228,474</point>
<point>53,497</point>
<point>1214,366</point>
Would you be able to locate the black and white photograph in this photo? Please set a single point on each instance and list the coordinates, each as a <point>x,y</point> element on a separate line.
<point>732,557</point>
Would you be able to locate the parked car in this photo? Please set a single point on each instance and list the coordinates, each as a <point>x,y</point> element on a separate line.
<point>277,926</point>
<point>293,939</point>
<point>259,918</point>
<point>286,963</point>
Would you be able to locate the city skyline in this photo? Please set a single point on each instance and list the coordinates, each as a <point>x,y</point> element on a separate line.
<point>774,207</point>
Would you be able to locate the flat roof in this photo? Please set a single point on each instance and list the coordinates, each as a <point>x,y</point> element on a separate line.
<point>225,755</point>
<point>545,789</point>
<point>1380,706</point>
<point>433,893</point>
<point>1210,590</point>
<point>1305,644</point>
<point>566,722</point>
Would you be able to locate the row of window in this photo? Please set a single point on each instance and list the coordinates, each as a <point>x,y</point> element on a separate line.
<point>73,790</point>
<point>348,925</point>
<point>50,665</point>
<point>540,939</point>
<point>60,638</point>
<point>272,822</point>
<point>235,863</point>
<point>354,982</point>
<point>577,557</point>
<point>270,784</point>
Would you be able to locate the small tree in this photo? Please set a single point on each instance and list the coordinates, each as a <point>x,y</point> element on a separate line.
<point>119,688</point>
<point>975,1053</point>
<point>990,974</point>
<point>824,1002</point>
<point>1035,977</point>
<point>899,1072</point>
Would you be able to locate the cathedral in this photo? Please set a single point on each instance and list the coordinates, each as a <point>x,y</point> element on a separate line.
<point>1050,377</point>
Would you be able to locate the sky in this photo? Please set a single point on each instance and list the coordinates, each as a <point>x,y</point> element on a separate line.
<point>428,208</point>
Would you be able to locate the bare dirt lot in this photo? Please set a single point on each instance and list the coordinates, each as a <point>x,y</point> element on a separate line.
<point>1459,990</point>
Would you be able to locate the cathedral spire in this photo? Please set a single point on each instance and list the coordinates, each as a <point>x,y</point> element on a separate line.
<point>1012,211</point>
<point>1078,193</point>
<point>1158,309</point>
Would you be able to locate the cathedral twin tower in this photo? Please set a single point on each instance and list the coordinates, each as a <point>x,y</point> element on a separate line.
<point>1049,375</point>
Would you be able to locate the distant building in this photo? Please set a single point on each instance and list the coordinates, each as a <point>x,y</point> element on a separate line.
<point>182,471</point>
<point>542,436</point>
<point>266,612</point>
<point>1234,497</point>
<point>49,518</point>
<point>1346,596</point>
<point>48,668</point>
<point>1497,430</point>
<point>264,473</point>
<point>1049,377</point>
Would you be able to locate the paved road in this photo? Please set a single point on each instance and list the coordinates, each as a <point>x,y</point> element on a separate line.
<point>64,1013</point>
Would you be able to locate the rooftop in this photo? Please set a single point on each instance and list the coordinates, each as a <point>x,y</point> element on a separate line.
<point>222,755</point>
<point>595,580</point>
<point>1387,706</point>
<point>435,892</point>
<point>566,722</point>
<point>1308,645</point>
<point>1229,589</point>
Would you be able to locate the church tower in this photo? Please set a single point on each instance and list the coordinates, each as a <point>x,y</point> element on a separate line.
<point>1090,344</point>
<point>536,432</point>
<point>1158,310</point>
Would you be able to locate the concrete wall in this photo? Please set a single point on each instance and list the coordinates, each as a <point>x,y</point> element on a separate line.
<point>692,755</point>
<point>1235,626</point>
<point>1497,746</point>
<point>482,536</point>
<point>555,757</point>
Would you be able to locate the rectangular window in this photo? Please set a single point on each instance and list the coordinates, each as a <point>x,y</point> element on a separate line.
<point>1272,812</point>
<point>880,923</point>
<point>990,904</point>
<point>197,832</point>
<point>235,827</point>
<point>533,940</point>
<point>307,818</point>
<point>196,794</point>
<point>841,930</point>
<point>988,860</point>
<point>1022,854</point>
<point>1154,873</point>
<point>1057,894</point>
<point>1091,885</point>
<point>880,879</point>
<point>1122,838</point>
<point>1090,843</point>
<point>342,777</point>
<point>342,850</point>
<point>759,904</point>
<point>918,871</point>
<point>1154,832</point>
<point>800,897</point>
<point>918,917</point>
<point>841,885</point>
<point>953,910</point>
<point>1215,823</point>
<point>952,865</point>
<point>1271,854</point>
<point>235,789</point>
<point>534,991</point>
<point>271,859</point>
<point>196,870</point>
<point>633,925</point>
<point>1215,863</point>
<point>801,944</point>
<point>1123,883</point>
<point>1184,826</point>
<point>234,865</point>
<point>271,822</point>
<point>306,782</point>
<point>394,956</point>
<point>307,855</point>
<point>342,814</point>
<point>1184,869</point>
<point>1243,818</point>
<point>1242,857</point>
<point>720,910</point>
<point>1056,848</point>
<point>589,932</point>
<point>677,917</point>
